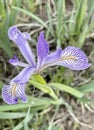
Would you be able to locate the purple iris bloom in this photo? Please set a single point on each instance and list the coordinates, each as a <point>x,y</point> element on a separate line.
<point>71,57</point>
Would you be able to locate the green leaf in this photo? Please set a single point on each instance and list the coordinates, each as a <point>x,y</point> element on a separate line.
<point>87,87</point>
<point>67,89</point>
<point>43,87</point>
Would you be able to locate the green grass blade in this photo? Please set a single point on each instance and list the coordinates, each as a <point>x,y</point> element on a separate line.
<point>31,5</point>
<point>4,41</point>
<point>90,9</point>
<point>33,102</point>
<point>13,13</point>
<point>82,36</point>
<point>31,15</point>
<point>80,16</point>
<point>4,24</point>
<point>87,88</point>
<point>86,100</point>
<point>67,89</point>
<point>60,8</point>
<point>50,30</point>
<point>91,27</point>
<point>12,115</point>
<point>26,120</point>
<point>71,23</point>
<point>21,124</point>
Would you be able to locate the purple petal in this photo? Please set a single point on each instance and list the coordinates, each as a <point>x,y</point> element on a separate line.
<point>11,93</point>
<point>16,89</point>
<point>51,59</point>
<point>15,61</point>
<point>24,75</point>
<point>20,40</point>
<point>73,58</point>
<point>42,49</point>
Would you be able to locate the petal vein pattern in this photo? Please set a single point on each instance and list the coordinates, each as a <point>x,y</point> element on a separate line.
<point>73,58</point>
<point>16,88</point>
<point>11,93</point>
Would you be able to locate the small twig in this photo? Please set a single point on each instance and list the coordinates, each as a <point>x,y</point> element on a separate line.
<point>79,122</point>
<point>51,41</point>
<point>85,81</point>
<point>90,109</point>
<point>61,119</point>
<point>83,108</point>
<point>30,25</point>
<point>35,31</point>
<point>47,110</point>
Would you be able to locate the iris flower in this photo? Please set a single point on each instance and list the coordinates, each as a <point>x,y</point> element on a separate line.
<point>71,57</point>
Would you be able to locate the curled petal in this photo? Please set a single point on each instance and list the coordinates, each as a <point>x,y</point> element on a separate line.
<point>15,61</point>
<point>11,93</point>
<point>42,49</point>
<point>24,75</point>
<point>20,40</point>
<point>73,58</point>
<point>51,59</point>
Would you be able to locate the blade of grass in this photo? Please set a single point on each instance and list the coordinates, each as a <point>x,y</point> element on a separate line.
<point>86,100</point>
<point>4,41</point>
<point>21,124</point>
<point>31,5</point>
<point>31,15</point>
<point>50,29</point>
<point>27,119</point>
<point>71,23</point>
<point>60,8</point>
<point>13,13</point>
<point>87,88</point>
<point>3,28</point>
<point>80,15</point>
<point>90,9</point>
<point>12,115</point>
<point>67,89</point>
<point>33,102</point>
<point>82,36</point>
<point>91,26</point>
